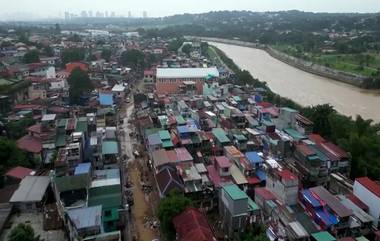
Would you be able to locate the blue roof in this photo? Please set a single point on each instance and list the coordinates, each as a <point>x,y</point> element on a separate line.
<point>253,157</point>
<point>105,99</point>
<point>328,218</point>
<point>82,168</point>
<point>261,175</point>
<point>310,198</point>
<point>154,139</point>
<point>183,129</point>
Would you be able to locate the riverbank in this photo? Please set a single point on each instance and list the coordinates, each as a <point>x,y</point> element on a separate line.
<point>310,67</point>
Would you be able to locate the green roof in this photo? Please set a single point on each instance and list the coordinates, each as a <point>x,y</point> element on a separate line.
<point>236,98</point>
<point>252,205</point>
<point>240,137</point>
<point>151,131</point>
<point>62,123</point>
<point>289,109</point>
<point>164,135</point>
<point>220,135</point>
<point>362,238</point>
<point>180,120</point>
<point>109,147</point>
<point>81,125</point>
<point>60,140</point>
<point>167,143</point>
<point>107,200</point>
<point>323,236</point>
<point>295,134</point>
<point>68,183</point>
<point>234,192</point>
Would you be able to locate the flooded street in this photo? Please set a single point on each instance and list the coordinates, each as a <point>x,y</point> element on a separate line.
<point>302,87</point>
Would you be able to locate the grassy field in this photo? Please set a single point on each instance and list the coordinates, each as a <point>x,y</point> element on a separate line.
<point>365,64</point>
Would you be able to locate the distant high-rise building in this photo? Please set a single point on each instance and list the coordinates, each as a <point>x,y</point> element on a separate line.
<point>83,14</point>
<point>113,14</point>
<point>129,14</point>
<point>67,16</point>
<point>145,14</point>
<point>90,14</point>
<point>106,14</point>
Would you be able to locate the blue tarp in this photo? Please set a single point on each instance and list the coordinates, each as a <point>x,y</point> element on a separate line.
<point>183,129</point>
<point>310,198</point>
<point>82,168</point>
<point>261,175</point>
<point>253,157</point>
<point>105,99</point>
<point>327,218</point>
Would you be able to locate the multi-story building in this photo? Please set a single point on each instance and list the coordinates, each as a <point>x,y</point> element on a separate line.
<point>174,80</point>
<point>236,209</point>
<point>368,191</point>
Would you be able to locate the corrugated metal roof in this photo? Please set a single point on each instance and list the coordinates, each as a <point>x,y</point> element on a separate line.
<point>109,148</point>
<point>220,135</point>
<point>323,236</point>
<point>86,217</point>
<point>187,72</point>
<point>31,189</point>
<point>234,192</point>
<point>82,168</point>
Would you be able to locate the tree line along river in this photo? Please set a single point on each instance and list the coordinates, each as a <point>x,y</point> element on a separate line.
<point>302,87</point>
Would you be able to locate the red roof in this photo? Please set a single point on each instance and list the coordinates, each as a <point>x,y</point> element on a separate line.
<point>264,193</point>
<point>317,138</point>
<point>287,175</point>
<point>30,143</point>
<point>253,180</point>
<point>305,150</point>
<point>27,107</point>
<point>35,128</point>
<point>334,151</point>
<point>216,179</point>
<point>192,225</point>
<point>372,186</point>
<point>265,104</point>
<point>20,172</point>
<point>223,161</point>
<point>358,202</point>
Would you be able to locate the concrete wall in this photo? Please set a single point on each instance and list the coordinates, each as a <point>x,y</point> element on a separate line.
<point>370,199</point>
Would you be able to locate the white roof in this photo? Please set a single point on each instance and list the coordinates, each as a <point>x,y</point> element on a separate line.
<point>118,88</point>
<point>172,73</point>
<point>31,189</point>
<point>108,177</point>
<point>48,117</point>
<point>298,229</point>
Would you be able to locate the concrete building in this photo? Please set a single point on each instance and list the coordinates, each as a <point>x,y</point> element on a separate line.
<point>174,80</point>
<point>284,185</point>
<point>368,192</point>
<point>236,210</point>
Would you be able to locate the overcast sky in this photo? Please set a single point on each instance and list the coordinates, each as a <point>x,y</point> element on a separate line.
<point>54,8</point>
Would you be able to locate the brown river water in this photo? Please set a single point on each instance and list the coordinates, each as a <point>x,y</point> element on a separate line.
<point>302,87</point>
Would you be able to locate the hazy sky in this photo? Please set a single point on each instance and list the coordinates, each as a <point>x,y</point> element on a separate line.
<point>50,8</point>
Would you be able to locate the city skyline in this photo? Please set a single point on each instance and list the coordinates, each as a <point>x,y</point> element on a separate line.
<point>56,9</point>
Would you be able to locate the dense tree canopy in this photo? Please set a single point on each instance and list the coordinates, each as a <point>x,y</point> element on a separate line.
<point>106,54</point>
<point>71,55</point>
<point>23,232</point>
<point>133,58</point>
<point>169,207</point>
<point>186,49</point>
<point>80,84</point>
<point>32,56</point>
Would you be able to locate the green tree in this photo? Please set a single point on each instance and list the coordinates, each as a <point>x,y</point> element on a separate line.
<point>106,54</point>
<point>32,56</point>
<point>75,38</point>
<point>71,55</point>
<point>57,28</point>
<point>17,129</point>
<point>79,84</point>
<point>319,115</point>
<point>133,58</point>
<point>48,51</point>
<point>174,45</point>
<point>186,49</point>
<point>23,232</point>
<point>169,207</point>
